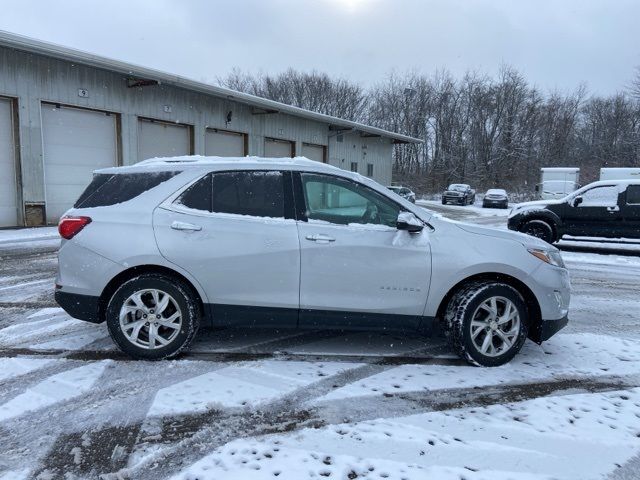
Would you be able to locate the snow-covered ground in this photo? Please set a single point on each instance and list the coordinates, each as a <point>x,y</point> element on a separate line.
<point>262,404</point>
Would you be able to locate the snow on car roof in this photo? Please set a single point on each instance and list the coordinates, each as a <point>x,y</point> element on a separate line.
<point>496,190</point>
<point>199,161</point>
<point>627,181</point>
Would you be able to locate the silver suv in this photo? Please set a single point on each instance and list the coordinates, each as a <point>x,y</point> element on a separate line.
<point>163,247</point>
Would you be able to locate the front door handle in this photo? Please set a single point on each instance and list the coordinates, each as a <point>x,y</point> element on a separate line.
<point>613,209</point>
<point>320,238</point>
<point>189,227</point>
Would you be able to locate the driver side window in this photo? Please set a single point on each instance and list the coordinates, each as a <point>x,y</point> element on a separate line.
<point>605,196</point>
<point>334,200</point>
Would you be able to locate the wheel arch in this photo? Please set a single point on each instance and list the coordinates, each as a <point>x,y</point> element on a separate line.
<point>554,221</point>
<point>137,270</point>
<point>533,306</point>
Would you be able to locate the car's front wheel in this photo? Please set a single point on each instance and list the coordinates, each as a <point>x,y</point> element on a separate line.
<point>153,317</point>
<point>487,323</point>
<point>540,229</point>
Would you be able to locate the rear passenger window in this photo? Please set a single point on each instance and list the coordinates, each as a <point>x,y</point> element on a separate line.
<point>259,194</point>
<point>111,189</point>
<point>633,195</point>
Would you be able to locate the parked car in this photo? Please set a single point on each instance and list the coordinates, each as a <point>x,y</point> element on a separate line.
<point>495,198</point>
<point>459,193</point>
<point>160,248</point>
<point>608,209</point>
<point>404,192</point>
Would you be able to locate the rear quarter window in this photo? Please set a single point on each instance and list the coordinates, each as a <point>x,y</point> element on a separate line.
<point>111,189</point>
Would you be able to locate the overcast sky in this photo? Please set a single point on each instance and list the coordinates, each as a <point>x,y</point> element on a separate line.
<point>557,44</point>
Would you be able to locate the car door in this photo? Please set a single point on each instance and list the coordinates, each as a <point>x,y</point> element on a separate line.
<point>356,268</point>
<point>597,214</point>
<point>230,230</point>
<point>631,212</point>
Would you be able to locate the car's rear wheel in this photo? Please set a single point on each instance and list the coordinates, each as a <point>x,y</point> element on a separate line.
<point>153,317</point>
<point>539,228</point>
<point>487,323</point>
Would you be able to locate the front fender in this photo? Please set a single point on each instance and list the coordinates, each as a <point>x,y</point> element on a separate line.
<point>461,252</point>
<point>516,221</point>
<point>443,286</point>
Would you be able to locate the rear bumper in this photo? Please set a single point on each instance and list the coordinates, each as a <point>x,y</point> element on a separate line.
<point>82,307</point>
<point>495,203</point>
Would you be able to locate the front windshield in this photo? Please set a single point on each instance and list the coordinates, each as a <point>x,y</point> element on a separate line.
<point>458,187</point>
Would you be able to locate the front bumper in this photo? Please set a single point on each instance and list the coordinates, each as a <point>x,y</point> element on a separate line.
<point>547,329</point>
<point>447,199</point>
<point>82,307</point>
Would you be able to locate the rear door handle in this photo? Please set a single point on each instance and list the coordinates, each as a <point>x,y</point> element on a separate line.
<point>189,227</point>
<point>613,209</point>
<point>320,238</point>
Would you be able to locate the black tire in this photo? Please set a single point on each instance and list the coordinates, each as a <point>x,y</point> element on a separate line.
<point>444,202</point>
<point>460,312</point>
<point>185,300</point>
<point>540,229</point>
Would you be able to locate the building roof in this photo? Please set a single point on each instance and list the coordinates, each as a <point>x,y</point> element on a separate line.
<point>31,45</point>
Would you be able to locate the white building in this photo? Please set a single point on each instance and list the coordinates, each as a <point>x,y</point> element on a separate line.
<point>65,113</point>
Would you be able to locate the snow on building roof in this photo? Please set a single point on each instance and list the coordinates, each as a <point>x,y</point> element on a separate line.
<point>31,45</point>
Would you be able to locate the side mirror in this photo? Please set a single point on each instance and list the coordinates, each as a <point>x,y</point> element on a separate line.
<point>577,201</point>
<point>537,188</point>
<point>409,222</point>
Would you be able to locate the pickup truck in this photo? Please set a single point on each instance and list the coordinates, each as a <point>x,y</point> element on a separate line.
<point>609,209</point>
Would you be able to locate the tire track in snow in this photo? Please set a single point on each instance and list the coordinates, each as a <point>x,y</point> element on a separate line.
<point>235,356</point>
<point>273,418</point>
<point>96,432</point>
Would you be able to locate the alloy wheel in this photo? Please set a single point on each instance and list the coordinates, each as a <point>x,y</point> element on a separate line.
<point>495,326</point>
<point>150,318</point>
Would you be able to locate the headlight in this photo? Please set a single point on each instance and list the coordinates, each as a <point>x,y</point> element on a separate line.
<point>552,257</point>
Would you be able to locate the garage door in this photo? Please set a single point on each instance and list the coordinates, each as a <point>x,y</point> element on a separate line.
<point>277,148</point>
<point>8,202</point>
<point>160,139</point>
<point>76,142</point>
<point>220,143</point>
<point>313,152</point>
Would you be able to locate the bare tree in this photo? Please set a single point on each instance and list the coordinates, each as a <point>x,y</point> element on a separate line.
<point>313,91</point>
<point>491,132</point>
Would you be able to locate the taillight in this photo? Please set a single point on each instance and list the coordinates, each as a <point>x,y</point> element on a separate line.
<point>69,227</point>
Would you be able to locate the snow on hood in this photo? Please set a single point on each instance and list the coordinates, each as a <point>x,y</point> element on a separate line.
<point>527,240</point>
<point>540,203</point>
<point>537,204</point>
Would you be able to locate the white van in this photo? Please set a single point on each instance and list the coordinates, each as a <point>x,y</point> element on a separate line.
<point>620,173</point>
